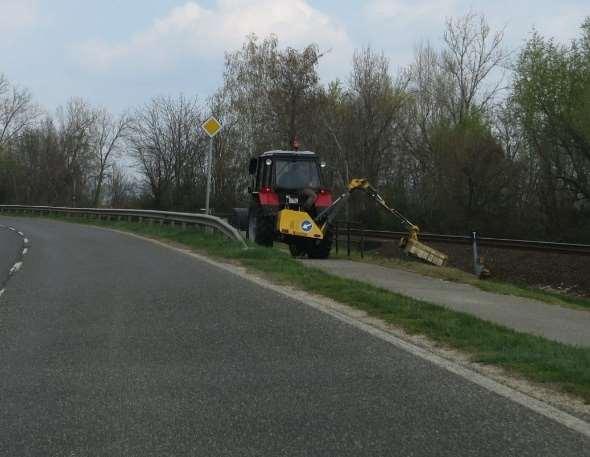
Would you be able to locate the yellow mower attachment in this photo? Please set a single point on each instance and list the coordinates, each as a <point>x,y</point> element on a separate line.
<point>298,223</point>
<point>412,246</point>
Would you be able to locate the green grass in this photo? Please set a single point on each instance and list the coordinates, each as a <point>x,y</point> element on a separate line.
<point>562,367</point>
<point>488,285</point>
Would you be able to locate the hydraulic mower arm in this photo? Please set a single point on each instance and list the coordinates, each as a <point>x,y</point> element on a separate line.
<point>410,244</point>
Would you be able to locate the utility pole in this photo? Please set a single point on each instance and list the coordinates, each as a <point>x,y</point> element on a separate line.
<point>211,127</point>
<point>209,170</point>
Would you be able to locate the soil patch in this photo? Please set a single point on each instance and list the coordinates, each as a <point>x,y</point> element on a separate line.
<point>565,273</point>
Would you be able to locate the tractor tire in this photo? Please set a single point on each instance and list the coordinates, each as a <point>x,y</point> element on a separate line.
<point>239,218</point>
<point>260,227</point>
<point>320,249</point>
<point>297,249</point>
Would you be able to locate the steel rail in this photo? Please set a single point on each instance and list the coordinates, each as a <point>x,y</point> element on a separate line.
<point>505,243</point>
<point>141,215</point>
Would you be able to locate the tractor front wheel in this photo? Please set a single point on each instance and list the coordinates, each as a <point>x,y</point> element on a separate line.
<point>320,249</point>
<point>297,248</point>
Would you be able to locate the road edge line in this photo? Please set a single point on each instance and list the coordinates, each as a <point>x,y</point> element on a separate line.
<point>20,260</point>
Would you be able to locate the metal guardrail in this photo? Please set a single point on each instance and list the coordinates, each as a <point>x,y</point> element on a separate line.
<point>532,245</point>
<point>149,216</point>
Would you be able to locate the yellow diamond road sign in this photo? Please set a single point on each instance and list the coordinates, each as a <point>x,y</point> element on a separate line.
<point>212,126</point>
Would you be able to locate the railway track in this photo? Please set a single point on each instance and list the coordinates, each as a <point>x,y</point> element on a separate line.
<point>504,243</point>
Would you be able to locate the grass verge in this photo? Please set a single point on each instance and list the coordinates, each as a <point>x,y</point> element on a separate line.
<point>553,364</point>
<point>456,275</point>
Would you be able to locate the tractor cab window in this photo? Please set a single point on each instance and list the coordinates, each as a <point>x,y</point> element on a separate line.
<point>296,174</point>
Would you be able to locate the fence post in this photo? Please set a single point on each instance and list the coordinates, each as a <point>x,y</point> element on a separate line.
<point>348,238</point>
<point>362,242</point>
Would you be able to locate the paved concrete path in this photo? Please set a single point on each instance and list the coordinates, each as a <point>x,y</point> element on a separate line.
<point>566,325</point>
<point>113,346</point>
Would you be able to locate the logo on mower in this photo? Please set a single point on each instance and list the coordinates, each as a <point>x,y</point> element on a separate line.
<point>306,226</point>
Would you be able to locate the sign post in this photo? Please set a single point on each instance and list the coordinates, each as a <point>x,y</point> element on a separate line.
<point>211,127</point>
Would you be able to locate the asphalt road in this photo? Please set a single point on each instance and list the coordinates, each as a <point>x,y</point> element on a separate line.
<point>113,346</point>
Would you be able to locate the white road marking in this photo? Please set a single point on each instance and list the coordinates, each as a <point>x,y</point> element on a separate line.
<point>2,292</point>
<point>21,233</point>
<point>538,406</point>
<point>16,267</point>
<point>12,228</point>
<point>25,251</point>
<point>26,241</point>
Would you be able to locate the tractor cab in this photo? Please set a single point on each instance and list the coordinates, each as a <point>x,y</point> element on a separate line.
<point>288,179</point>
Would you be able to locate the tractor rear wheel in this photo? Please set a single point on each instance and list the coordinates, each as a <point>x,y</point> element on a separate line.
<point>260,227</point>
<point>239,218</point>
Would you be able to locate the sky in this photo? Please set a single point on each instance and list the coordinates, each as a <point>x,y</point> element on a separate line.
<point>119,54</point>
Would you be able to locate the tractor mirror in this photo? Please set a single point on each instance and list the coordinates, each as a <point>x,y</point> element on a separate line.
<point>252,165</point>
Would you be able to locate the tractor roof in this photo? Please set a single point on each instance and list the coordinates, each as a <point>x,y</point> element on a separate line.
<point>288,153</point>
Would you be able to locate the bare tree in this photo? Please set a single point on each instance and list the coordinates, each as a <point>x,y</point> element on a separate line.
<point>471,54</point>
<point>273,92</point>
<point>168,147</point>
<point>375,103</point>
<point>120,187</point>
<point>17,111</point>
<point>106,138</point>
<point>4,85</point>
<point>75,123</point>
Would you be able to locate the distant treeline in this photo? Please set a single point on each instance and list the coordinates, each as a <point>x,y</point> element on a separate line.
<point>465,138</point>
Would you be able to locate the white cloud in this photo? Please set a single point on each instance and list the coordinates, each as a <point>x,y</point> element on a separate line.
<point>410,11</point>
<point>192,30</point>
<point>558,19</point>
<point>17,14</point>
<point>398,25</point>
